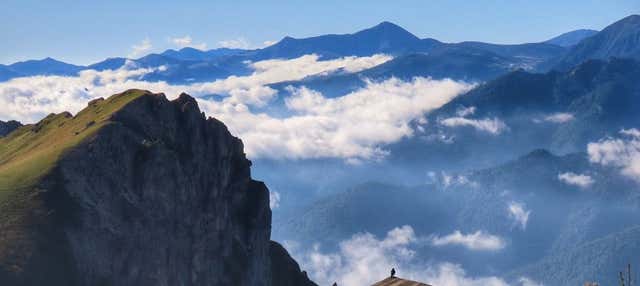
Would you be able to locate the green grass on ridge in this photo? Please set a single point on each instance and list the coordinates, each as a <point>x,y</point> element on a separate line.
<point>30,152</point>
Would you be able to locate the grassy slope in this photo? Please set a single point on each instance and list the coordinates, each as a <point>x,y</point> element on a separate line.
<point>30,240</point>
<point>31,151</point>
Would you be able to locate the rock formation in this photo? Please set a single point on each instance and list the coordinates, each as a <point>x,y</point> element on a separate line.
<point>135,190</point>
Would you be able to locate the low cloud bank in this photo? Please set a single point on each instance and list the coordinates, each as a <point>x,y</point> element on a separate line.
<point>478,240</point>
<point>365,259</point>
<point>493,126</point>
<point>622,152</point>
<point>580,180</point>
<point>353,127</point>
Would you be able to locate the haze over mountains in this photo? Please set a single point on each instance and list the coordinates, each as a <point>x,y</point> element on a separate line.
<point>493,164</point>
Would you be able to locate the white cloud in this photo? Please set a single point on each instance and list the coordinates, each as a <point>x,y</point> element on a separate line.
<point>524,281</point>
<point>560,117</point>
<point>451,180</point>
<point>519,214</point>
<point>494,126</point>
<point>580,180</point>
<point>268,43</point>
<point>478,240</point>
<point>365,259</point>
<point>635,133</point>
<point>141,48</point>
<point>29,99</point>
<point>623,153</point>
<point>354,127</point>
<point>274,199</point>
<point>237,43</point>
<point>351,126</point>
<point>252,89</point>
<point>466,111</point>
<point>186,41</point>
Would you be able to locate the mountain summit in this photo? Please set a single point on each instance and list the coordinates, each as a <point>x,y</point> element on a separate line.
<point>620,39</point>
<point>135,190</point>
<point>385,37</point>
<point>572,38</point>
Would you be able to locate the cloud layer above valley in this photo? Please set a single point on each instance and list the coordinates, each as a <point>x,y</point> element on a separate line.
<point>355,126</point>
<point>478,240</point>
<point>364,259</point>
<point>580,180</point>
<point>622,152</point>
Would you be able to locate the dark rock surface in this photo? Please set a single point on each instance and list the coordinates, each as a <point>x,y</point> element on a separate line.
<point>159,196</point>
<point>620,39</point>
<point>284,270</point>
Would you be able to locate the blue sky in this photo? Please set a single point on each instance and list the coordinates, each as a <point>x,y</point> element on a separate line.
<point>83,32</point>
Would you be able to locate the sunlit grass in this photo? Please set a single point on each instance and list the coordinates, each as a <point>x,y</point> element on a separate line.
<point>30,152</point>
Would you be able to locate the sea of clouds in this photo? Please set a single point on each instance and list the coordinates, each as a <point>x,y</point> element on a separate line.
<point>354,127</point>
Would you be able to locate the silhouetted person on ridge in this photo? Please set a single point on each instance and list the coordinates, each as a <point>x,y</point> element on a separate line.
<point>335,284</point>
<point>393,272</point>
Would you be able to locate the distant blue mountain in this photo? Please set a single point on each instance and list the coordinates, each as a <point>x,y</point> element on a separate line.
<point>8,126</point>
<point>572,38</point>
<point>7,73</point>
<point>108,64</point>
<point>454,62</point>
<point>535,52</point>
<point>562,216</point>
<point>47,66</point>
<point>385,37</point>
<point>473,61</point>
<point>178,69</point>
<point>620,39</point>
<point>192,54</point>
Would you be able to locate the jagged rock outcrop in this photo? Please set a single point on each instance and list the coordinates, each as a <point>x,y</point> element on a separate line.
<point>8,126</point>
<point>154,194</point>
<point>284,270</point>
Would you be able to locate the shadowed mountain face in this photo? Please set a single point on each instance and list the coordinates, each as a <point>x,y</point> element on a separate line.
<point>474,61</point>
<point>7,73</point>
<point>191,54</point>
<point>134,190</point>
<point>466,60</point>
<point>385,38</point>
<point>572,38</point>
<point>621,39</point>
<point>558,111</point>
<point>46,66</point>
<point>463,64</point>
<point>562,219</point>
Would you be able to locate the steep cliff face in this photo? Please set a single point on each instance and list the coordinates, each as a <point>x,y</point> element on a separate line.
<point>153,194</point>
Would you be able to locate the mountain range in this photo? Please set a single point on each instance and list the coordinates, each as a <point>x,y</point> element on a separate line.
<point>135,190</point>
<point>136,177</point>
<point>189,64</point>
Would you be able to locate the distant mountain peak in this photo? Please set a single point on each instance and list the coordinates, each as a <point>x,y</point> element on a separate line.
<point>387,25</point>
<point>389,29</point>
<point>620,39</point>
<point>571,38</point>
<point>629,22</point>
<point>635,18</point>
<point>539,153</point>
